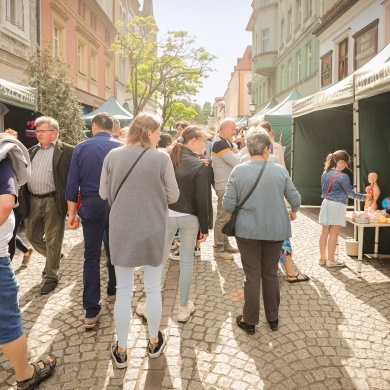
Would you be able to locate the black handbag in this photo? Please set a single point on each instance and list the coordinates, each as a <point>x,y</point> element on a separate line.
<point>229,227</point>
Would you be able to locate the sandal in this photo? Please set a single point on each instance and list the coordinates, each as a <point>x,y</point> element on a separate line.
<point>305,278</point>
<point>39,375</point>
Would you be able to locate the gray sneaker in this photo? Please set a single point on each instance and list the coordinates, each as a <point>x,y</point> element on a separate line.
<point>90,323</point>
<point>223,255</point>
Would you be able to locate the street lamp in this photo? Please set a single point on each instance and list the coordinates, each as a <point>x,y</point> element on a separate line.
<point>252,109</point>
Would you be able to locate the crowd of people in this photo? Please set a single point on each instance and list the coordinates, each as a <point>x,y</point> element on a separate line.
<point>141,194</point>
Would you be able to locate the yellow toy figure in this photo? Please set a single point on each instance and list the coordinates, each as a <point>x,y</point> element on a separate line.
<point>374,191</point>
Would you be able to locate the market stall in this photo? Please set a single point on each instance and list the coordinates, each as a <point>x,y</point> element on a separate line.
<point>114,108</point>
<point>18,105</point>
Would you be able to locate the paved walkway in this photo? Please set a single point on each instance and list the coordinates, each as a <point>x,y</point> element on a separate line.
<point>334,330</point>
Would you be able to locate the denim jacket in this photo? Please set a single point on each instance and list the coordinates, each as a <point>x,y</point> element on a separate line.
<point>341,188</point>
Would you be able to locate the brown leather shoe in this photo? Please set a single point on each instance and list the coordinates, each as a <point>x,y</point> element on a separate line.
<point>27,257</point>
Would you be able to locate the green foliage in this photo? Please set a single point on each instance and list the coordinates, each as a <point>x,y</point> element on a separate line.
<point>179,111</point>
<point>171,67</point>
<point>202,117</point>
<point>56,97</point>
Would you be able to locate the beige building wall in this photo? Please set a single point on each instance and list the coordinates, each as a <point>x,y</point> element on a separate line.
<point>18,35</point>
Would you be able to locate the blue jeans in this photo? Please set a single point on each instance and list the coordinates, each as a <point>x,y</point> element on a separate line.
<point>188,230</point>
<point>122,309</point>
<point>11,326</point>
<point>94,213</point>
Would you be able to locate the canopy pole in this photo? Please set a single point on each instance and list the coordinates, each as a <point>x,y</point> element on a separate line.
<point>292,148</point>
<point>356,156</point>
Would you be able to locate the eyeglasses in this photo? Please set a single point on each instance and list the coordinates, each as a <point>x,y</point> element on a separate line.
<point>43,131</point>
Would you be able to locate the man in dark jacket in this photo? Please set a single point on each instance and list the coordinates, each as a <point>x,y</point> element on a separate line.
<point>44,204</point>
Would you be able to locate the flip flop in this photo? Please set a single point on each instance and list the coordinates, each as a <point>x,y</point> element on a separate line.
<point>305,278</point>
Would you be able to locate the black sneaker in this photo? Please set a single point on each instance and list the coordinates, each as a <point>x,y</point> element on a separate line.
<point>154,350</point>
<point>120,358</point>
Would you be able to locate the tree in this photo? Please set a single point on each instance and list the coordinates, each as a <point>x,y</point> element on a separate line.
<point>168,68</point>
<point>203,115</point>
<point>179,111</point>
<point>56,97</point>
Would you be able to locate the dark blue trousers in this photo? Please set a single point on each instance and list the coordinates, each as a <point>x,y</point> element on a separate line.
<point>94,213</point>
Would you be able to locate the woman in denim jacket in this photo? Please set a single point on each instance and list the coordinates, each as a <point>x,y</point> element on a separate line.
<point>336,189</point>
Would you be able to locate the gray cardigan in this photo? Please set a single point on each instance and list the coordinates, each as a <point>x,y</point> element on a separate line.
<point>264,215</point>
<point>139,215</point>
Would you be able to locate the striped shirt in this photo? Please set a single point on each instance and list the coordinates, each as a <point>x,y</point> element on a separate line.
<point>42,179</point>
<point>225,157</point>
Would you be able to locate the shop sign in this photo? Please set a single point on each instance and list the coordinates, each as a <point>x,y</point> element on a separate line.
<point>326,69</point>
<point>366,44</point>
<point>17,95</point>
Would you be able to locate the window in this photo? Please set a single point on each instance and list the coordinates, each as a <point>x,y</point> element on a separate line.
<point>264,94</point>
<point>343,59</point>
<point>265,40</point>
<point>94,65</point>
<point>282,32</point>
<point>267,2</point>
<point>81,9</point>
<point>93,21</point>
<point>309,60</point>
<point>81,57</point>
<point>283,79</point>
<point>308,7</point>
<point>289,21</point>
<point>107,37</point>
<point>298,5</point>
<point>56,41</point>
<point>15,13</point>
<point>290,73</point>
<point>108,74</point>
<point>16,17</point>
<point>299,67</point>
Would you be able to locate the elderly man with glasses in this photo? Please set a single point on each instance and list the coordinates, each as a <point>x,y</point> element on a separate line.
<point>43,198</point>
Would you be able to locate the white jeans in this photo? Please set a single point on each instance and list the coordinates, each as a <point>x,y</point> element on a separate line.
<point>124,290</point>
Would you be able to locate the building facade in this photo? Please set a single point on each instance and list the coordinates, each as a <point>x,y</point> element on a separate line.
<point>18,36</point>
<point>350,33</point>
<point>81,33</point>
<point>285,51</point>
<point>237,96</point>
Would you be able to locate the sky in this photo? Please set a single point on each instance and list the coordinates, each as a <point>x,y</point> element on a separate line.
<point>218,25</point>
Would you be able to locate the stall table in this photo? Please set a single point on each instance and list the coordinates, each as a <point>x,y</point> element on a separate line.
<point>360,229</point>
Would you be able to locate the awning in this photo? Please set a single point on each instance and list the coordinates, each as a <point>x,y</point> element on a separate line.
<point>18,95</point>
<point>259,116</point>
<point>114,108</point>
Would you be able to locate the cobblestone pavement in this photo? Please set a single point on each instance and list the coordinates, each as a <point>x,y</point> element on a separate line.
<point>334,330</point>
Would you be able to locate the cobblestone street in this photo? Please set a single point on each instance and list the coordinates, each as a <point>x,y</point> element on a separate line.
<point>334,331</point>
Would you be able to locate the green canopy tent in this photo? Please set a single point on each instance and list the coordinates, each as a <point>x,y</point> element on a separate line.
<point>241,122</point>
<point>372,137</point>
<point>127,107</point>
<point>323,123</point>
<point>257,118</point>
<point>114,108</point>
<point>280,118</point>
<point>353,115</point>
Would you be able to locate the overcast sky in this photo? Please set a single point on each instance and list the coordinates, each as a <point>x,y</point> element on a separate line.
<point>218,25</point>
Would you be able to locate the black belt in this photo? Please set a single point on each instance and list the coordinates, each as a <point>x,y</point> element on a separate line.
<point>41,196</point>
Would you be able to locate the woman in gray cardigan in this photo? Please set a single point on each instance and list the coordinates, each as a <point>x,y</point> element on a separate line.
<point>138,225</point>
<point>262,225</point>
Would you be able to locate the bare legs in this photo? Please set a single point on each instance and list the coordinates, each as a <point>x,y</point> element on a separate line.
<point>16,353</point>
<point>328,241</point>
